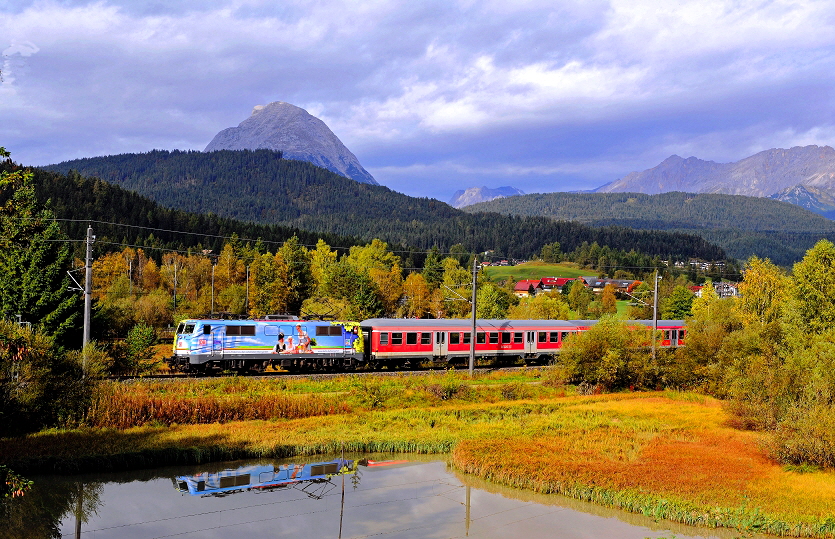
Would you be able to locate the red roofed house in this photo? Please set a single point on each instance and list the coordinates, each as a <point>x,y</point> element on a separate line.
<point>527,287</point>
<point>550,283</point>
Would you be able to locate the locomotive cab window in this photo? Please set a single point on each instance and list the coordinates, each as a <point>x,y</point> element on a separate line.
<point>207,329</point>
<point>505,338</point>
<point>517,337</point>
<point>454,338</point>
<point>384,339</point>
<point>396,338</point>
<point>425,338</point>
<point>411,338</point>
<point>189,329</point>
<point>494,338</point>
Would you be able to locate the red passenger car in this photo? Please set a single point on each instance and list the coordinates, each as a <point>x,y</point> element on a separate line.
<point>400,341</point>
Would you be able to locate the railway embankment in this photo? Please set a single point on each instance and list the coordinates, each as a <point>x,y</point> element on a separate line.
<point>665,454</point>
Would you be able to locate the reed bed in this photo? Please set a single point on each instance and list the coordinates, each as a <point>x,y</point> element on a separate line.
<point>122,407</point>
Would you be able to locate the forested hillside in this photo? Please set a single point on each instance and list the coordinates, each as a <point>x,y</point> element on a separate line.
<point>259,186</point>
<point>77,201</point>
<point>739,224</point>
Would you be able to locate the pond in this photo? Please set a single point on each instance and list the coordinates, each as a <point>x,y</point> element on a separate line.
<point>360,496</point>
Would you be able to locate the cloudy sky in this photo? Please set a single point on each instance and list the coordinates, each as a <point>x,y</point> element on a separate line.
<point>432,96</point>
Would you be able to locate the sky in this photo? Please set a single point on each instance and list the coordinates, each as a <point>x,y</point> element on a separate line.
<point>431,96</point>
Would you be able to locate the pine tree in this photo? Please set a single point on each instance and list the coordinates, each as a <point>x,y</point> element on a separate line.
<point>34,258</point>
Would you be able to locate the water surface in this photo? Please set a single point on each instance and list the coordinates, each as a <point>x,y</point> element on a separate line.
<point>391,498</point>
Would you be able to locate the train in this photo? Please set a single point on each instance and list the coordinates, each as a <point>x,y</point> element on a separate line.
<point>205,346</point>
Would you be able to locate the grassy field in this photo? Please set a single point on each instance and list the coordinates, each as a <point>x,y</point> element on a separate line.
<point>535,270</point>
<point>663,454</point>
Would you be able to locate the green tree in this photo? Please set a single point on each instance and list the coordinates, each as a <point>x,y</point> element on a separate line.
<point>34,258</point>
<point>677,305</point>
<point>579,298</point>
<point>551,253</point>
<point>544,306</point>
<point>765,291</point>
<point>299,277</point>
<point>493,302</point>
<point>433,269</point>
<point>373,255</point>
<point>814,287</point>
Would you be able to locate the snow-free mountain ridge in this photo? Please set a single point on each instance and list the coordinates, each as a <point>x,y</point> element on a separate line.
<point>297,134</point>
<point>802,175</point>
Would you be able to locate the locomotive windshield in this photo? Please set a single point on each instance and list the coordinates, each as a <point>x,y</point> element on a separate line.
<point>184,328</point>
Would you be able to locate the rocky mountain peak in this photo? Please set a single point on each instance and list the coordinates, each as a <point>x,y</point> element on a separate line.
<point>474,195</point>
<point>803,175</point>
<point>297,134</point>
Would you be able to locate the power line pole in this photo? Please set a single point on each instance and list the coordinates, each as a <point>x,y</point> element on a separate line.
<point>655,313</point>
<point>472,334</point>
<point>88,291</point>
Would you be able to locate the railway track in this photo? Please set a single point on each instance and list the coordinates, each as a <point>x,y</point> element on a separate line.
<point>310,375</point>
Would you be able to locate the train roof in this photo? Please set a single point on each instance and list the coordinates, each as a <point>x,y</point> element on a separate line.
<point>495,323</point>
<point>459,322</point>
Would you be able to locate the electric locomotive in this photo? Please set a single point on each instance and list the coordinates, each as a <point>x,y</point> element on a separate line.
<point>208,345</point>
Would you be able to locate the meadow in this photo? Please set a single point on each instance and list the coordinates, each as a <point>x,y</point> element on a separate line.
<point>668,455</point>
<point>535,270</point>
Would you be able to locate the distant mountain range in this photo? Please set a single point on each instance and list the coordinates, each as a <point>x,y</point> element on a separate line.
<point>741,225</point>
<point>474,195</point>
<point>297,135</point>
<point>262,187</point>
<point>804,176</point>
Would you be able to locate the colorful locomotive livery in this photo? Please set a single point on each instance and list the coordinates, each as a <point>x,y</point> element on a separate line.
<point>253,345</point>
<point>298,345</point>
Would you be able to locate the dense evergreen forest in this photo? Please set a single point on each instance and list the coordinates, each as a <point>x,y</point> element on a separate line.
<point>261,187</point>
<point>79,201</point>
<point>741,225</point>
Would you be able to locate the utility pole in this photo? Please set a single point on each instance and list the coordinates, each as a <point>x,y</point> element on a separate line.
<point>88,291</point>
<point>130,277</point>
<point>472,334</point>
<point>175,283</point>
<point>213,288</point>
<point>655,313</point>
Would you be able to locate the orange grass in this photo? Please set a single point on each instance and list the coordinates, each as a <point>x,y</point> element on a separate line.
<point>699,471</point>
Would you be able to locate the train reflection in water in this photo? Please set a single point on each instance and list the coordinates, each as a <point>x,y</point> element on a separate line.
<point>313,479</point>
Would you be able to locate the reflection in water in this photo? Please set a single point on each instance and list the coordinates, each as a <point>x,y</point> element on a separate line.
<point>391,499</point>
<point>312,479</point>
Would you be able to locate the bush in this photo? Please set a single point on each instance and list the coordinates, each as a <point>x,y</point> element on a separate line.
<point>40,384</point>
<point>450,387</point>
<point>515,390</point>
<point>554,376</point>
